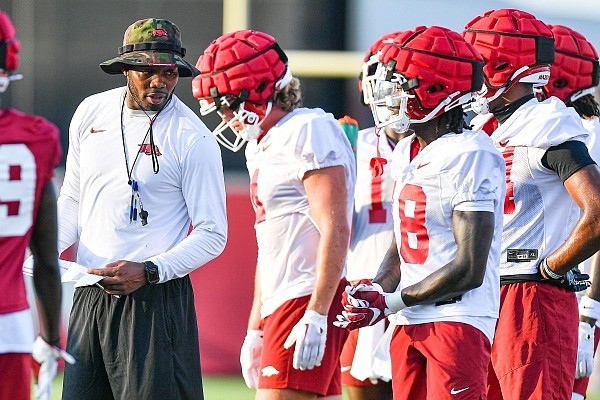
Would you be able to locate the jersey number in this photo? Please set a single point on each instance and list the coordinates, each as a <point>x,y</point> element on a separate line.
<point>415,239</point>
<point>256,203</point>
<point>17,189</point>
<point>509,200</point>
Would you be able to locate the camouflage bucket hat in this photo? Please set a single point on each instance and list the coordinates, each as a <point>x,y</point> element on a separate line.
<point>151,42</point>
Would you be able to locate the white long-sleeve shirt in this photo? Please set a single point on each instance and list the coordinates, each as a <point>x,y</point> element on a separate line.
<point>94,202</point>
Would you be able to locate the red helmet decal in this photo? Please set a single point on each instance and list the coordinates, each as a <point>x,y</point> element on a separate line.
<point>509,40</point>
<point>576,64</point>
<point>159,32</point>
<point>246,64</point>
<point>440,60</point>
<point>9,44</point>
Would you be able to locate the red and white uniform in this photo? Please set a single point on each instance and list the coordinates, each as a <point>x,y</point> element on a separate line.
<point>534,193</point>
<point>372,224</point>
<point>372,234</point>
<point>537,321</point>
<point>29,151</point>
<point>455,172</point>
<point>304,140</point>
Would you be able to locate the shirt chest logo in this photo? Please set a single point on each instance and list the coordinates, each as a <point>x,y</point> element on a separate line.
<point>146,149</point>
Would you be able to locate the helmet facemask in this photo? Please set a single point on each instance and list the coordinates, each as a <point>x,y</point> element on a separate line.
<point>390,101</point>
<point>395,102</point>
<point>369,78</point>
<point>5,80</point>
<point>245,123</point>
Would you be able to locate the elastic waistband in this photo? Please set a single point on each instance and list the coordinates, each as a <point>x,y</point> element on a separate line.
<point>508,279</point>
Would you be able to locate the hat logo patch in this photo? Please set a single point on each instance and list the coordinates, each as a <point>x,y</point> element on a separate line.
<point>159,32</point>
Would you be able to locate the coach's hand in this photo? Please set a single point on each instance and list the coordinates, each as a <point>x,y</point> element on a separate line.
<point>45,364</point>
<point>121,277</point>
<point>309,334</point>
<point>250,357</point>
<point>585,351</point>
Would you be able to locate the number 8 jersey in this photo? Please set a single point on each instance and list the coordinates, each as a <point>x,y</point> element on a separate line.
<point>29,151</point>
<point>454,172</point>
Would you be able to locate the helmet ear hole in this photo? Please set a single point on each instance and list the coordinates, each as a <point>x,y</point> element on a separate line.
<point>500,65</point>
<point>560,83</point>
<point>436,87</point>
<point>261,86</point>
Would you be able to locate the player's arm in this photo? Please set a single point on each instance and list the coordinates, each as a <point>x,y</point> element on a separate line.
<point>327,196</point>
<point>473,233</point>
<point>46,273</point>
<point>388,275</point>
<point>254,319</point>
<point>584,187</point>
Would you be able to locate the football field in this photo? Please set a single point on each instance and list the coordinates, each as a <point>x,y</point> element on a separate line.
<point>225,388</point>
<point>215,388</point>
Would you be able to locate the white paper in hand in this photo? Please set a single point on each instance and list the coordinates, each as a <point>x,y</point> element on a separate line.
<point>69,272</point>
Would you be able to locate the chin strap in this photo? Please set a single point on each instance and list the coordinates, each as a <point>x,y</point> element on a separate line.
<point>503,113</point>
<point>5,81</point>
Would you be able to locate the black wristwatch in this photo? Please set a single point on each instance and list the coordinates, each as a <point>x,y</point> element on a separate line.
<point>152,276</point>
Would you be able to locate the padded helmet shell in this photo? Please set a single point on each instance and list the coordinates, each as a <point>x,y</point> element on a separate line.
<point>516,47</point>
<point>442,62</point>
<point>246,64</point>
<point>9,44</point>
<point>575,67</point>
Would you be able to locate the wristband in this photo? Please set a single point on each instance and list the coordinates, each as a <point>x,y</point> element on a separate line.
<point>548,272</point>
<point>394,301</point>
<point>589,307</point>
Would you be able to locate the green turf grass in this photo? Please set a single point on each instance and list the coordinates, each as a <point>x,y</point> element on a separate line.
<point>223,388</point>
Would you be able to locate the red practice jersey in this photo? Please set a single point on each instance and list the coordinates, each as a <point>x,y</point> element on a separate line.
<point>29,151</point>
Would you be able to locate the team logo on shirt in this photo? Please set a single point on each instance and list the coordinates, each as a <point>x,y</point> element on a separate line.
<point>146,149</point>
<point>269,371</point>
<point>92,130</point>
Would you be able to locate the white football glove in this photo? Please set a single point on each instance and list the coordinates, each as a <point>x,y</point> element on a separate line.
<point>46,358</point>
<point>309,334</point>
<point>250,357</point>
<point>585,351</point>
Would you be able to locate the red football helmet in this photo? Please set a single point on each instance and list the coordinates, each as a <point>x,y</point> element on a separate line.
<point>422,74</point>
<point>9,51</point>
<point>516,47</point>
<point>366,79</point>
<point>240,70</point>
<point>575,71</point>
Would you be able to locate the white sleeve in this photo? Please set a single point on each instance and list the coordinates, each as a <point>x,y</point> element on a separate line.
<point>203,190</point>
<point>321,143</point>
<point>480,179</point>
<point>68,200</point>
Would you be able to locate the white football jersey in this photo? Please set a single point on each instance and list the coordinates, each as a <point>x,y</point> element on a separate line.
<point>372,225</point>
<point>455,172</point>
<point>287,238</point>
<point>539,213</point>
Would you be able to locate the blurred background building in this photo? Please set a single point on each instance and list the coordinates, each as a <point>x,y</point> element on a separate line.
<point>63,42</point>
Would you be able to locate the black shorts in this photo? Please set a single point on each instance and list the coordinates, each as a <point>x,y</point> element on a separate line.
<point>140,346</point>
